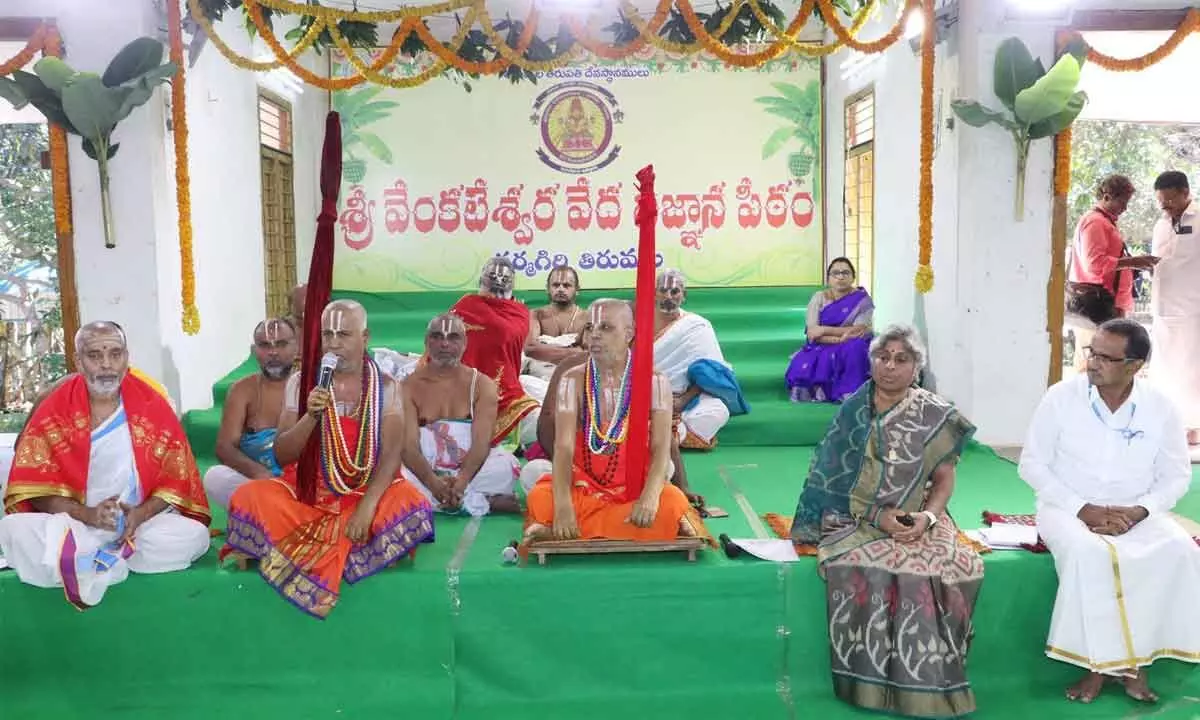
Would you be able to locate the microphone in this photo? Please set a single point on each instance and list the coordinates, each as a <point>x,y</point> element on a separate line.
<point>329,363</point>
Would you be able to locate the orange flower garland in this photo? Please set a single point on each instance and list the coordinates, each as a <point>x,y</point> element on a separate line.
<point>183,183</point>
<point>829,13</point>
<point>1190,24</point>
<point>36,44</point>
<point>924,277</point>
<point>1062,162</point>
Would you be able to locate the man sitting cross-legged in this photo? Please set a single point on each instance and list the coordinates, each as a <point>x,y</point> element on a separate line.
<point>584,496</point>
<point>1108,458</point>
<point>450,410</point>
<point>103,481</point>
<point>246,440</point>
<point>705,390</point>
<point>554,329</point>
<point>366,516</point>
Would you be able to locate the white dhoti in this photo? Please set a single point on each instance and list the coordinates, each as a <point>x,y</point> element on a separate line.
<point>1124,601</point>
<point>220,482</point>
<point>37,545</point>
<point>527,429</point>
<point>1175,363</point>
<point>397,364</point>
<point>544,370</point>
<point>704,420</point>
<point>444,444</point>
<point>1175,307</point>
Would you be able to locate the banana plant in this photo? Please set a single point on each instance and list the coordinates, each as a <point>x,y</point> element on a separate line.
<point>1041,103</point>
<point>801,107</point>
<point>357,109</point>
<point>91,105</point>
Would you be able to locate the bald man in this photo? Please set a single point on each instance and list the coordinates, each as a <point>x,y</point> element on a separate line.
<point>585,496</point>
<point>450,410</point>
<point>104,481</point>
<point>396,364</point>
<point>366,515</point>
<point>705,391</point>
<point>246,439</point>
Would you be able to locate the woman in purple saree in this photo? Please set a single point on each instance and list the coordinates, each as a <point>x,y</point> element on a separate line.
<point>834,362</point>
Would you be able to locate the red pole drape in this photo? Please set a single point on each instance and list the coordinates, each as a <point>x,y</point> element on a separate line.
<point>320,287</point>
<point>638,439</point>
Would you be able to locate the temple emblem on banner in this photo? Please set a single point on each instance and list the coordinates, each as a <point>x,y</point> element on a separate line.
<point>576,123</point>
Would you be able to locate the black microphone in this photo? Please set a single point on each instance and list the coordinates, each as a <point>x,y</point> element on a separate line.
<point>329,363</point>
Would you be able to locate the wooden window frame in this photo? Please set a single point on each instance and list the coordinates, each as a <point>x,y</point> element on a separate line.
<point>287,125</point>
<point>852,152</point>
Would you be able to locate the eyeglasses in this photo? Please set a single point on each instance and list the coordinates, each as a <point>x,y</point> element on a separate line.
<point>841,273</point>
<point>897,359</point>
<point>1089,353</point>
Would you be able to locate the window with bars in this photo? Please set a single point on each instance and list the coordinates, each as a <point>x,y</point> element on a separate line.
<point>274,125</point>
<point>859,190</point>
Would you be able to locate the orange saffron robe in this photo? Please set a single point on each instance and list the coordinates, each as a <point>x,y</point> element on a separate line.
<point>54,451</point>
<point>303,550</point>
<point>496,332</point>
<point>597,494</point>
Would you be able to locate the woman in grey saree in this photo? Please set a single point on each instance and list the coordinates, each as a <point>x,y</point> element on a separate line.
<point>900,585</point>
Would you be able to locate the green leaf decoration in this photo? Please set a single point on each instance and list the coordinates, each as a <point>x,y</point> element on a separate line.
<point>1050,94</point>
<point>47,102</point>
<point>92,107</point>
<point>11,91</point>
<point>1014,70</point>
<point>54,73</point>
<point>1077,48</point>
<point>1057,123</point>
<point>976,115</point>
<point>141,89</point>
<point>775,142</point>
<point>377,147</point>
<point>137,58</point>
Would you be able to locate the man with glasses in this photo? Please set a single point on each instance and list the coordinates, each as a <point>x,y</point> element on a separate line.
<point>1175,298</point>
<point>1107,457</point>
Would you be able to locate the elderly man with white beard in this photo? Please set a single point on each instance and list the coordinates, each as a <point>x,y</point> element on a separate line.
<point>450,410</point>
<point>103,481</point>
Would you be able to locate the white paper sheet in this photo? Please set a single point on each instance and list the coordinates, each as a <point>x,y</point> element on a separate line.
<point>773,550</point>
<point>1005,536</point>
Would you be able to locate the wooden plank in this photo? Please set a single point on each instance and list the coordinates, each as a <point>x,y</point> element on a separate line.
<point>20,28</point>
<point>545,548</point>
<point>1127,20</point>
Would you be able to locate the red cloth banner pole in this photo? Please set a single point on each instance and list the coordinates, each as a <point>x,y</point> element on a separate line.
<point>638,440</point>
<point>320,287</point>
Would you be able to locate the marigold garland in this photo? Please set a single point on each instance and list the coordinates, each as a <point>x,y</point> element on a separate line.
<point>844,34</point>
<point>924,277</point>
<point>64,226</point>
<point>1190,24</point>
<point>183,182</point>
<point>1062,162</point>
<point>36,44</point>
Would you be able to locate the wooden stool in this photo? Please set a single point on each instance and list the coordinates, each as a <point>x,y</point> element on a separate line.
<point>542,548</point>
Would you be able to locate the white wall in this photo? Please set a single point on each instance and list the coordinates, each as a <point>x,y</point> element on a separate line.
<point>138,283</point>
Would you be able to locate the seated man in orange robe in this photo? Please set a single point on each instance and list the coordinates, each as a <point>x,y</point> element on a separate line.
<point>103,481</point>
<point>497,328</point>
<point>584,496</point>
<point>366,516</point>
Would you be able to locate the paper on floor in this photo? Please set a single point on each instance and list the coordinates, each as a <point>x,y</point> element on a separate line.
<point>1005,536</point>
<point>773,550</point>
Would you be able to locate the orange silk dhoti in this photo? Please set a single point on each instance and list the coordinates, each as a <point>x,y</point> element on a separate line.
<point>303,550</point>
<point>601,510</point>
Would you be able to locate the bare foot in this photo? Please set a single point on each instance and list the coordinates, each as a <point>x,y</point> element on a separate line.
<point>1138,689</point>
<point>504,504</point>
<point>538,531</point>
<point>1086,689</point>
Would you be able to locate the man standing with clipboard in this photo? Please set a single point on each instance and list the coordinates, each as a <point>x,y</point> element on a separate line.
<point>1175,298</point>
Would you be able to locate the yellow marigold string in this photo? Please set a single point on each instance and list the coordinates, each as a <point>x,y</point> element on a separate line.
<point>245,63</point>
<point>924,277</point>
<point>334,15</point>
<point>183,183</point>
<point>1190,24</point>
<point>23,57</point>
<point>1062,162</point>
<point>807,48</point>
<point>829,14</point>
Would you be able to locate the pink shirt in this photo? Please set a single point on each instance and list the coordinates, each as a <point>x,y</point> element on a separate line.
<point>1094,255</point>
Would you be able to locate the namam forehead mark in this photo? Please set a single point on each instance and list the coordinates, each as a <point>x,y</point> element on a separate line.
<point>670,279</point>
<point>344,316</point>
<point>446,324</point>
<point>561,275</point>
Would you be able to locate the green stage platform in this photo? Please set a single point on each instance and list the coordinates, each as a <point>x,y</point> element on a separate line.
<point>458,635</point>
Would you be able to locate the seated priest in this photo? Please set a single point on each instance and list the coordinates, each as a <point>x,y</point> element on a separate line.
<point>450,410</point>
<point>1107,455</point>
<point>705,390</point>
<point>361,516</point>
<point>497,330</point>
<point>900,584</point>
<point>554,329</point>
<point>103,481</point>
<point>246,439</point>
<point>585,495</point>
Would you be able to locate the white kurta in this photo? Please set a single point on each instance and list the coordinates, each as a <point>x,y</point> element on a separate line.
<point>1175,307</point>
<point>31,542</point>
<point>1123,601</point>
<point>688,339</point>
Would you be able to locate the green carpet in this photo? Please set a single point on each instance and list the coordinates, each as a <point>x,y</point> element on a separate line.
<point>758,328</point>
<point>595,638</point>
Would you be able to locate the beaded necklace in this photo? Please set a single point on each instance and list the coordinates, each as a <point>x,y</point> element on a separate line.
<point>605,441</point>
<point>345,474</point>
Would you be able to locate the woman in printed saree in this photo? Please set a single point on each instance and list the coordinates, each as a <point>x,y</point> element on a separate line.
<point>900,584</point>
<point>834,363</point>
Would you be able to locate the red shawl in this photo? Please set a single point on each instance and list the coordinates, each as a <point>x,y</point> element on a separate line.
<point>496,334</point>
<point>54,451</point>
